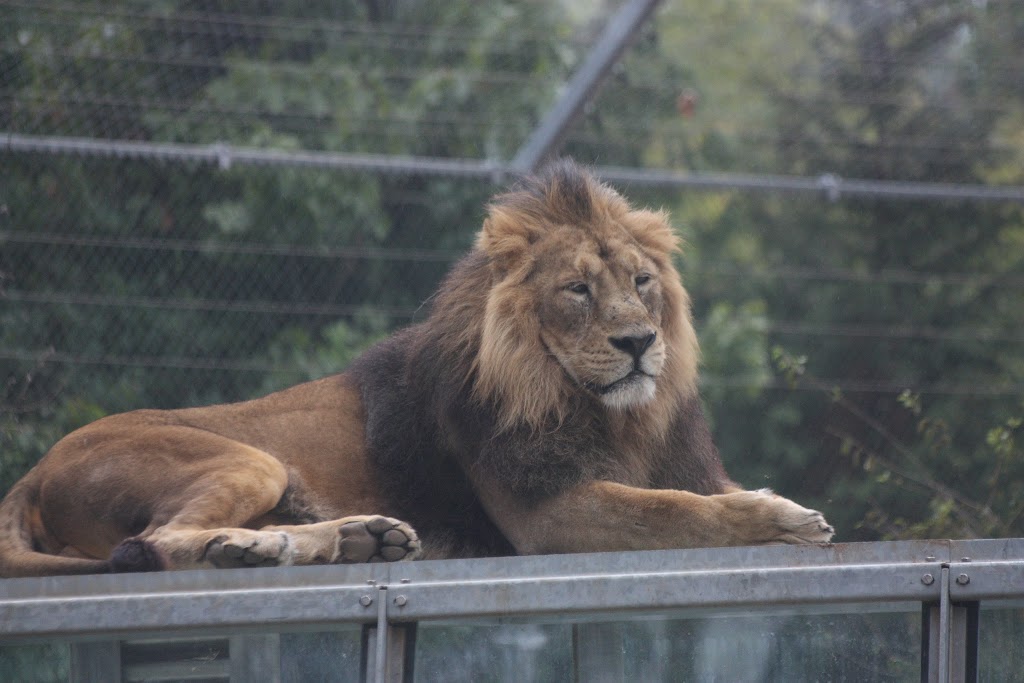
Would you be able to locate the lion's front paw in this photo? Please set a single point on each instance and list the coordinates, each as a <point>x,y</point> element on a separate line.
<point>768,518</point>
<point>246,548</point>
<point>377,539</point>
<point>797,524</point>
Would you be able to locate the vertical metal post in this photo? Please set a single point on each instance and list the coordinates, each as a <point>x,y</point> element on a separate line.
<point>388,649</point>
<point>401,653</point>
<point>963,641</point>
<point>943,663</point>
<point>949,647</point>
<point>380,657</point>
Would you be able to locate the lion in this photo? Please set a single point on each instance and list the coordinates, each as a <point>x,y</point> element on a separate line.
<point>547,404</point>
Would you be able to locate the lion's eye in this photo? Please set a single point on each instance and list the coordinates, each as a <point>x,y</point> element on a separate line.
<point>579,288</point>
<point>642,279</point>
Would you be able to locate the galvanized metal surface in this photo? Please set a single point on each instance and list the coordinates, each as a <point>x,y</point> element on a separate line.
<point>224,600</point>
<point>381,649</point>
<point>672,579</point>
<point>946,579</point>
<point>944,627</point>
<point>756,577</point>
<point>669,590</point>
<point>987,580</point>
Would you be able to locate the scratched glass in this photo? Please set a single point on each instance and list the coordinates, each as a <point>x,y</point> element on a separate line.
<point>1000,643</point>
<point>856,646</point>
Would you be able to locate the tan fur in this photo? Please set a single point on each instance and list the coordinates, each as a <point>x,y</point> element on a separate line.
<point>537,334</point>
<point>194,482</point>
<point>602,516</point>
<point>507,366</point>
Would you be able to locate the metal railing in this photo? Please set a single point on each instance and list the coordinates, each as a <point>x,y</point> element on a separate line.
<point>102,617</point>
<point>829,185</point>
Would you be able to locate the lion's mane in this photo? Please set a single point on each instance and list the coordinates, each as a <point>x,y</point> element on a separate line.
<point>474,387</point>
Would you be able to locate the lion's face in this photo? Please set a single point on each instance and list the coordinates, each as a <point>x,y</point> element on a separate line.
<point>582,297</point>
<point>599,306</point>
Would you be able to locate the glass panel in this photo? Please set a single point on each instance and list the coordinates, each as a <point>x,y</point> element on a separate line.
<point>160,659</point>
<point>45,663</point>
<point>524,653</point>
<point>299,657</point>
<point>858,647</point>
<point>1000,644</point>
<point>830,647</point>
<point>331,656</point>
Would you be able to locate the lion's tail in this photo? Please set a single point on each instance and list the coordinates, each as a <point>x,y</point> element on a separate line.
<point>18,554</point>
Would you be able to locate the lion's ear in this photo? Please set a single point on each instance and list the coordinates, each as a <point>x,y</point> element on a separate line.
<point>506,240</point>
<point>653,231</point>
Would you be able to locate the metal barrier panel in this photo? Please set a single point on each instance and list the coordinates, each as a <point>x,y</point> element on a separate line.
<point>848,610</point>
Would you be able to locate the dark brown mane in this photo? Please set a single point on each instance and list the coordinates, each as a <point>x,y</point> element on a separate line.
<point>562,192</point>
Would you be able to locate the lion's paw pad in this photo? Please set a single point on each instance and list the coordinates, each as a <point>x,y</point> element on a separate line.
<point>377,539</point>
<point>259,549</point>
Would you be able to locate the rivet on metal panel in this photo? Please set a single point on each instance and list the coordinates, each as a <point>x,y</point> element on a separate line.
<point>963,579</point>
<point>930,558</point>
<point>927,579</point>
<point>406,580</point>
<point>366,601</point>
<point>401,600</point>
<point>965,559</point>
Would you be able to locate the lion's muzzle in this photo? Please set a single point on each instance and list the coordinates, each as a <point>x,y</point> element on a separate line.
<point>634,345</point>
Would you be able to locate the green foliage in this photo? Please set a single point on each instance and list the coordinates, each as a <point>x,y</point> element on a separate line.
<point>127,284</point>
<point>303,358</point>
<point>863,296</point>
<point>898,468</point>
<point>173,285</point>
<point>733,340</point>
<point>133,284</point>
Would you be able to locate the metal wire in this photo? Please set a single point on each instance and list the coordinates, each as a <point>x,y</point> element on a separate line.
<point>831,186</point>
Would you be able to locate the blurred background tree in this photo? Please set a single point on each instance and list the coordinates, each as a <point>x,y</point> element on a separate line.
<point>862,353</point>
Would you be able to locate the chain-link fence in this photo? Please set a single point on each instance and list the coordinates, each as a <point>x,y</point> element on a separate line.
<point>204,201</point>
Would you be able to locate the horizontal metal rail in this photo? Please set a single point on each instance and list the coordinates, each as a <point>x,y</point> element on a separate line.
<point>225,601</point>
<point>667,580</point>
<point>564,585</point>
<point>828,185</point>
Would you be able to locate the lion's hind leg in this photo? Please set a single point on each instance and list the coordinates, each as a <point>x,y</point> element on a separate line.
<point>210,510</point>
<point>204,522</point>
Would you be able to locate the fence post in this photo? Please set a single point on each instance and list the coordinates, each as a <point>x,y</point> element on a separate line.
<point>949,648</point>
<point>388,649</point>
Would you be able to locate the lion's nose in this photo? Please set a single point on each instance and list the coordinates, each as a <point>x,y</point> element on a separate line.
<point>633,345</point>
